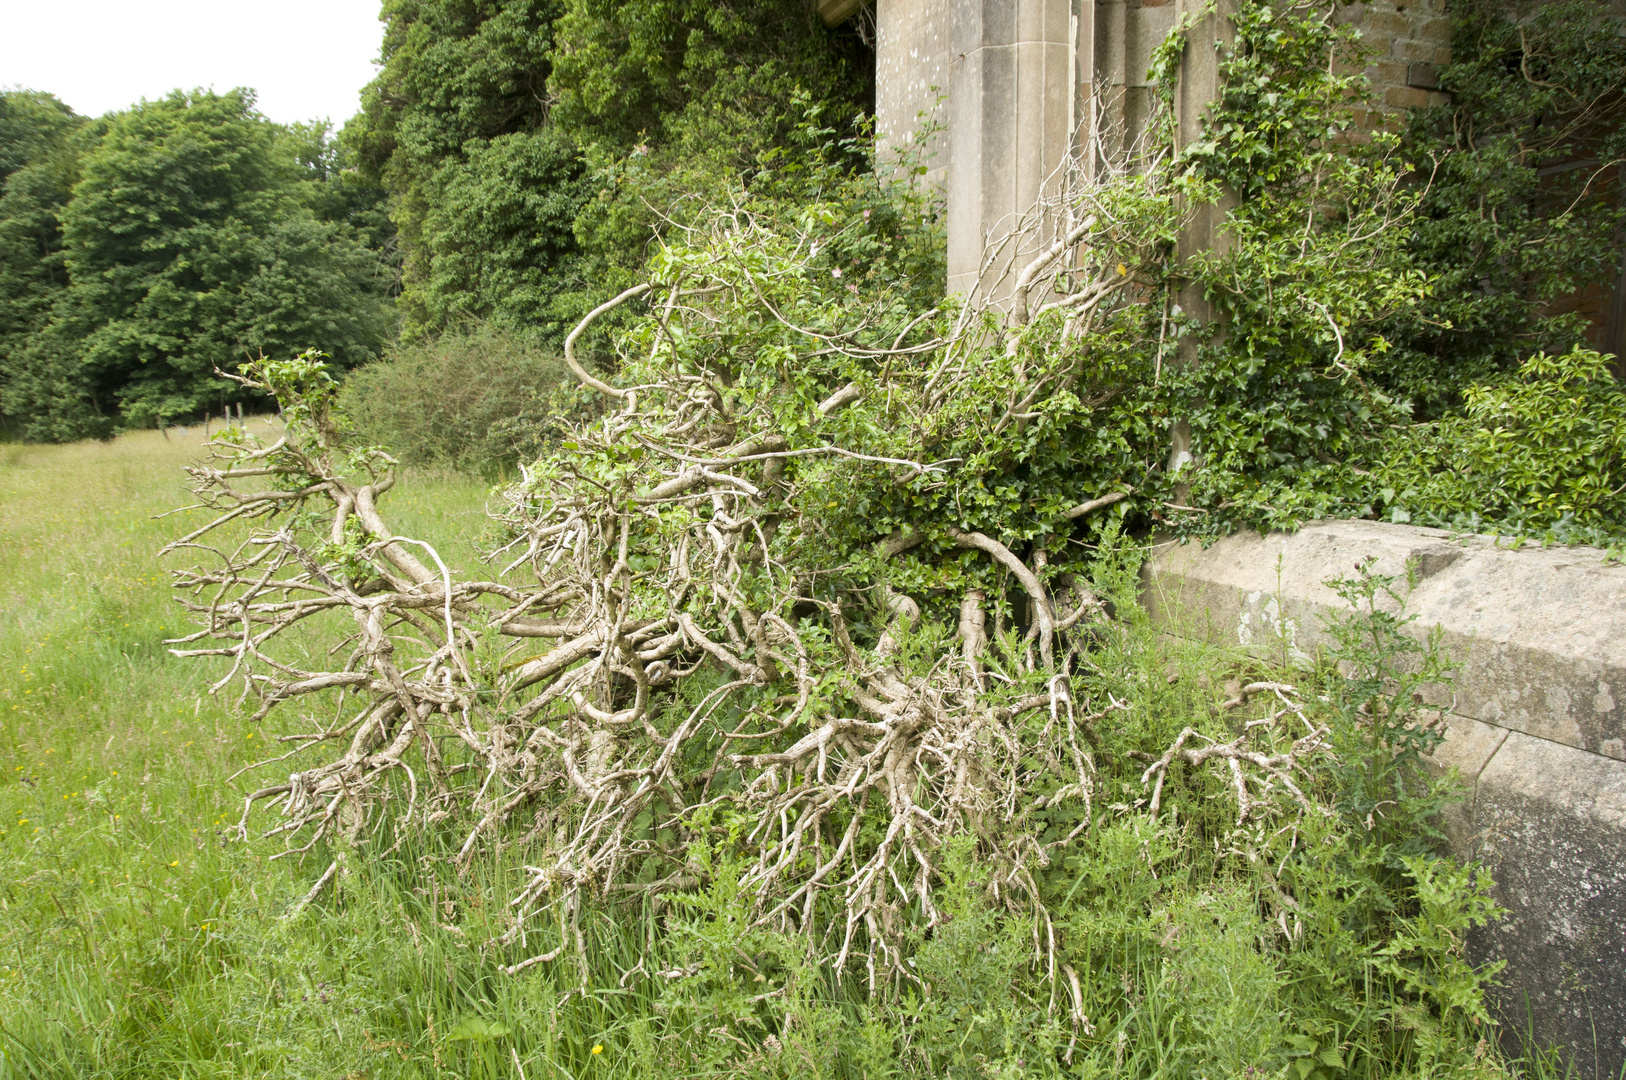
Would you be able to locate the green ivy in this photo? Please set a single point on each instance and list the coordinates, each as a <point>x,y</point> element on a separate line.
<point>1540,450</point>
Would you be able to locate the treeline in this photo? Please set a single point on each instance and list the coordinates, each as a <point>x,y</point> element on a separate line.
<point>515,160</point>
<point>144,249</point>
<point>509,168</point>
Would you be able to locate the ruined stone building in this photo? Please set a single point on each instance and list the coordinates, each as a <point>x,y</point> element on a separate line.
<point>1014,89</point>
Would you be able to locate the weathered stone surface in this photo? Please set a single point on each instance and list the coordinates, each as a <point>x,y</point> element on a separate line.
<point>1540,634</point>
<point>912,79</point>
<point>1012,81</point>
<point>1469,746</point>
<point>1551,827</point>
<point>1534,726</point>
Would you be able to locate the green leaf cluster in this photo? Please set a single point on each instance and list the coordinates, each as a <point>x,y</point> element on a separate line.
<point>1539,450</point>
<point>533,148</point>
<point>1376,291</point>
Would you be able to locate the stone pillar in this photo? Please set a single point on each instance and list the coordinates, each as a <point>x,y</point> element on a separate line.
<point>1199,88</point>
<point>912,81</point>
<point>1126,32</point>
<point>1012,80</point>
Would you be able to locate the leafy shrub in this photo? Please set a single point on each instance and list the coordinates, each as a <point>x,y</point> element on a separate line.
<point>1540,449</point>
<point>1513,223</point>
<point>476,399</point>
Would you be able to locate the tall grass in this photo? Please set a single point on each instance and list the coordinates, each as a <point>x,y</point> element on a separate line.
<point>134,940</point>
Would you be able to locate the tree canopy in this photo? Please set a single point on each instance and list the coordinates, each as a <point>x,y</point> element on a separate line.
<point>531,146</point>
<point>183,235</point>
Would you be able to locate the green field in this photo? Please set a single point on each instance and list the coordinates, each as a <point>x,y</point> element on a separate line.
<point>135,940</point>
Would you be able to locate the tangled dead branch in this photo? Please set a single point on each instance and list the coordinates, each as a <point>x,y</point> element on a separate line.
<point>700,619</point>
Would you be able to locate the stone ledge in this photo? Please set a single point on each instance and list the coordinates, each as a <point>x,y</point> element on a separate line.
<point>1534,722</point>
<point>1540,634</point>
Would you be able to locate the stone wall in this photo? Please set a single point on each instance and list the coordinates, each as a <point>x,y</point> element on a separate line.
<point>1536,716</point>
<point>1013,88</point>
<point>1410,41</point>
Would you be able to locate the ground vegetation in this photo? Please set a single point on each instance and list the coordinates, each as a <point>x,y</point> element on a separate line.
<point>816,646</point>
<point>142,939</point>
<point>794,711</point>
<point>474,400</point>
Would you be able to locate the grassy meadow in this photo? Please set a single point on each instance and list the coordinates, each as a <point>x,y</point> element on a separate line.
<point>135,940</point>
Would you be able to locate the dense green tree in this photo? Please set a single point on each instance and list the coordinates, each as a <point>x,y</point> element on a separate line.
<point>667,71</point>
<point>38,167</point>
<point>338,191</point>
<point>529,146</point>
<point>32,126</point>
<point>457,109</point>
<point>195,239</point>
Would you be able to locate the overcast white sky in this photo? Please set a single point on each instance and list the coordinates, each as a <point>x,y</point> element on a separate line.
<point>308,59</point>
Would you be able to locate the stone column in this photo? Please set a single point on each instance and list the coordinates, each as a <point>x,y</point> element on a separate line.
<point>1012,80</point>
<point>912,81</point>
<point>1126,32</point>
<point>1199,88</point>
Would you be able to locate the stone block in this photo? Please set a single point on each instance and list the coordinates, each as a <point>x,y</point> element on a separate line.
<point>1424,76</point>
<point>1415,50</point>
<point>1386,72</point>
<point>1111,64</point>
<point>1405,97</point>
<point>1144,30</point>
<point>912,80</point>
<point>1540,634</point>
<point>835,12</point>
<point>1551,822</point>
<point>1376,21</point>
<point>1436,29</point>
<point>1469,746</point>
<point>1010,129</point>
